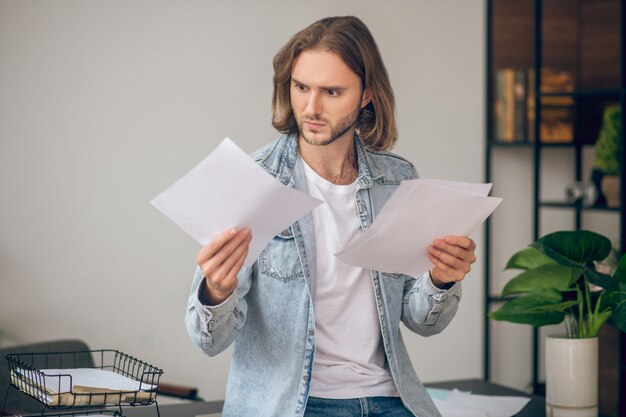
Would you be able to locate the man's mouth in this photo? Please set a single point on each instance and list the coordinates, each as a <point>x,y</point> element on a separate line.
<point>313,125</point>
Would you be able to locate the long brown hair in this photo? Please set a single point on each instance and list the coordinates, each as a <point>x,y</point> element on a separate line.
<point>348,37</point>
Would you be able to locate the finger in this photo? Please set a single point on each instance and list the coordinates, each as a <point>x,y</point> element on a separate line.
<point>224,251</point>
<point>450,260</point>
<point>439,245</point>
<point>438,262</point>
<point>450,264</point>
<point>214,245</point>
<point>467,255</point>
<point>462,241</point>
<point>224,278</point>
<point>451,255</point>
<point>444,272</point>
<point>237,266</point>
<point>441,271</point>
<point>236,257</point>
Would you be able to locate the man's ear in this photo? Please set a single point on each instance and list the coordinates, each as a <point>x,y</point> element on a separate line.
<point>365,98</point>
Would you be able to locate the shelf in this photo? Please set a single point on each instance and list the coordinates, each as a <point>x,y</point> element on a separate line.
<point>566,205</point>
<point>581,143</point>
<point>600,93</point>
<point>552,69</point>
<point>564,144</point>
<point>510,144</point>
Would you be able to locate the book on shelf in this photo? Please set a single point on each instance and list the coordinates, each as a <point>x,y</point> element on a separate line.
<point>504,111</point>
<point>510,105</point>
<point>519,106</point>
<point>557,124</point>
<point>530,105</point>
<point>557,111</point>
<point>515,106</point>
<point>556,81</point>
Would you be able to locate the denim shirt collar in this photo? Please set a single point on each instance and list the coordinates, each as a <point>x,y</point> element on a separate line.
<point>283,167</point>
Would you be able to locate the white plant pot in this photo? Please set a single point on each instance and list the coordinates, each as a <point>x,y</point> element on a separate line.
<point>610,186</point>
<point>571,377</point>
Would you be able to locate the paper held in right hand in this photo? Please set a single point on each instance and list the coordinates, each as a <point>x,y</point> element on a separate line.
<point>227,190</point>
<point>418,212</point>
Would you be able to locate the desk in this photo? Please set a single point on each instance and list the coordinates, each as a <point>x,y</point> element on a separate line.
<point>535,408</point>
<point>191,409</point>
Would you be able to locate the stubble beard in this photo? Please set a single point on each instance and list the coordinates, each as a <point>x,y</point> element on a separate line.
<point>336,132</point>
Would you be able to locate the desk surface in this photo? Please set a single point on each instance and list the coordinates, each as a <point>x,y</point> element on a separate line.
<point>192,409</point>
<point>535,408</point>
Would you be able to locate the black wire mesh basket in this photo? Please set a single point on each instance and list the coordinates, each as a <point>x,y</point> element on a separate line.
<point>83,379</point>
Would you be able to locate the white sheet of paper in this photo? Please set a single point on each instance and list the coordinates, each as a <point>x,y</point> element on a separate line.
<point>229,190</point>
<point>465,404</point>
<point>90,378</point>
<point>419,211</point>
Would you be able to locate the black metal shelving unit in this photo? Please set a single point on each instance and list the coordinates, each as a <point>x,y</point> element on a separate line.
<point>581,96</point>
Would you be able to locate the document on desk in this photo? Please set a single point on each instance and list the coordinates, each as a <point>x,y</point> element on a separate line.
<point>418,212</point>
<point>457,403</point>
<point>229,190</point>
<point>88,380</point>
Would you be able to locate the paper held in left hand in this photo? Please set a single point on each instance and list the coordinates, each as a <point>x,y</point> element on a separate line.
<point>418,212</point>
<point>229,190</point>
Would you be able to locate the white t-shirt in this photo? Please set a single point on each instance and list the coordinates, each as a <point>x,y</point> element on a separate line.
<point>349,356</point>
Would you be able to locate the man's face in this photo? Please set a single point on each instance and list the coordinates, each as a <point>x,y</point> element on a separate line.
<point>326,97</point>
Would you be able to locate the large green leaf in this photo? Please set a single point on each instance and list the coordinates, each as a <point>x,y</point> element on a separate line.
<point>544,277</point>
<point>528,258</point>
<point>618,304</point>
<point>560,306</point>
<point>620,271</point>
<point>531,308</point>
<point>574,248</point>
<point>598,278</point>
<point>604,298</point>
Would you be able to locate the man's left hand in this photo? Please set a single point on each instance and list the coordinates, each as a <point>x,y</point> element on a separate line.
<point>452,258</point>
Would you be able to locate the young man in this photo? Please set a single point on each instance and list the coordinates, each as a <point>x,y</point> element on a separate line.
<point>314,336</point>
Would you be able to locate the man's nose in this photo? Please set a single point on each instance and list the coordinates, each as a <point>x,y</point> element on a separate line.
<point>314,105</point>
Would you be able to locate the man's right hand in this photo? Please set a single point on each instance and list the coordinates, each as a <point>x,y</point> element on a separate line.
<point>220,261</point>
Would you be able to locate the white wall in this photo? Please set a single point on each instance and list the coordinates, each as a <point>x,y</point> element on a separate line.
<point>105,103</point>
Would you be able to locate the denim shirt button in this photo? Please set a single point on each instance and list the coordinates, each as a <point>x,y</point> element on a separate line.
<point>311,332</point>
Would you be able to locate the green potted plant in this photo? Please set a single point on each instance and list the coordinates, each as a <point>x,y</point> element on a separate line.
<point>561,282</point>
<point>607,152</point>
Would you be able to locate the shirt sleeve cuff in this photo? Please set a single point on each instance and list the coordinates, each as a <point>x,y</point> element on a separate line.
<point>430,286</point>
<point>216,310</point>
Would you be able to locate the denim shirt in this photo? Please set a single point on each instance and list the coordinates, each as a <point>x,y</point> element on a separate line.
<point>270,317</point>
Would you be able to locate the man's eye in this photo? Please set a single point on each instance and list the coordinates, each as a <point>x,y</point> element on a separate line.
<point>332,93</point>
<point>300,87</point>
